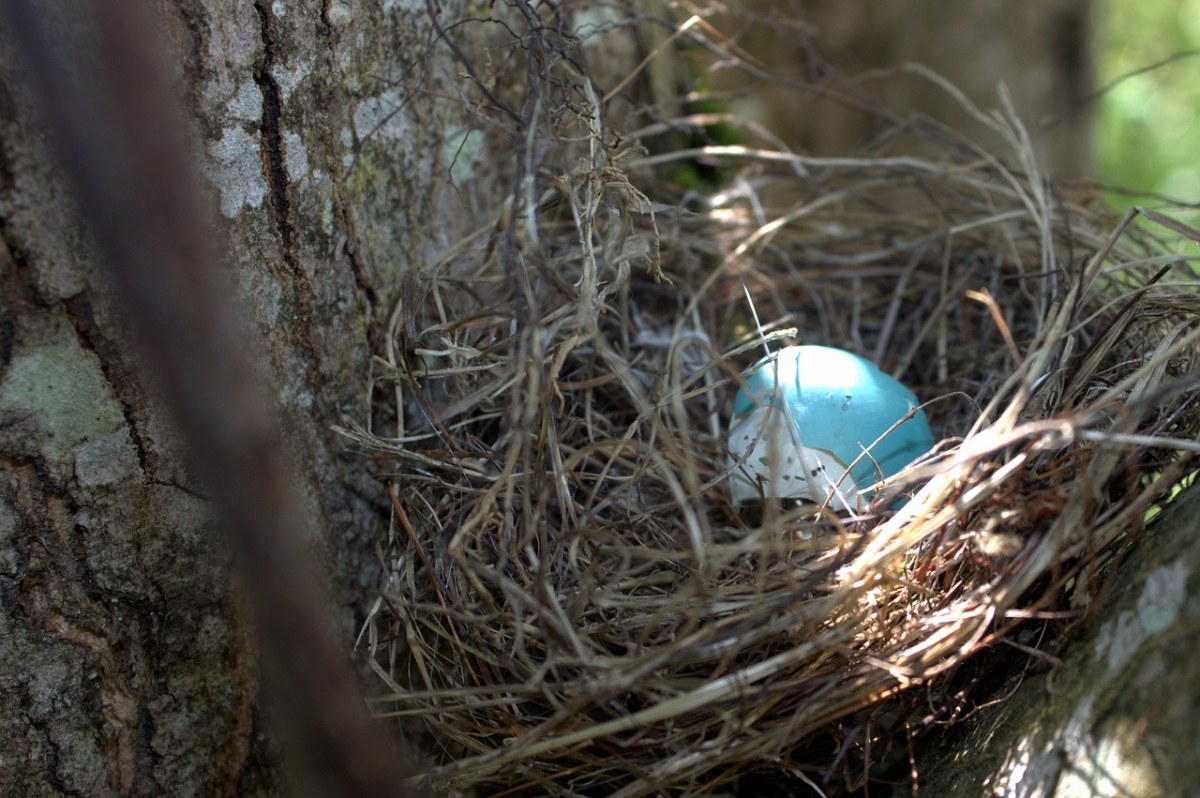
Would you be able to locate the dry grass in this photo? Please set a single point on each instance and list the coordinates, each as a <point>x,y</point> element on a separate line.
<point>572,606</point>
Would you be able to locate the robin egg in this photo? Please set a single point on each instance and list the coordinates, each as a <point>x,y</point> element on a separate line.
<point>815,423</point>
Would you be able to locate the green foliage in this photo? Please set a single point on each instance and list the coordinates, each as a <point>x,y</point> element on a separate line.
<point>1146,124</point>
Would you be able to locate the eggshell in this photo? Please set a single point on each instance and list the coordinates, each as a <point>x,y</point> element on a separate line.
<point>806,413</point>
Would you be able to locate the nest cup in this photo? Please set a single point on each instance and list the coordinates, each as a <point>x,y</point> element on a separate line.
<point>572,604</point>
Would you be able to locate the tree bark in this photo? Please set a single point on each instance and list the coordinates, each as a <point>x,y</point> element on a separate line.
<point>1041,53</point>
<point>127,666</point>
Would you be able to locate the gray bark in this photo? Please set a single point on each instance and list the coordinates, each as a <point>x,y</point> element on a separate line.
<point>125,664</point>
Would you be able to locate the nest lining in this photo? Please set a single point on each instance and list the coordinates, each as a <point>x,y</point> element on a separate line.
<point>573,607</point>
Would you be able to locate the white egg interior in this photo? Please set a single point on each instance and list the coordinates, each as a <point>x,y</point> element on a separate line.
<point>771,462</point>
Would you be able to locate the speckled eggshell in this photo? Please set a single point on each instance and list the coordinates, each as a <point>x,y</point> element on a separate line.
<point>806,413</point>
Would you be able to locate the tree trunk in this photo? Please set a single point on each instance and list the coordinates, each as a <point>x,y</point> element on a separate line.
<point>1041,52</point>
<point>126,665</point>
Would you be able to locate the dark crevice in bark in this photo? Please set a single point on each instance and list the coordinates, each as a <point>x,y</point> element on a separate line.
<point>10,600</point>
<point>345,214</point>
<point>275,170</point>
<point>53,775</point>
<point>361,279</point>
<point>148,760</point>
<point>120,377</point>
<point>274,156</point>
<point>242,754</point>
<point>17,289</point>
<point>195,67</point>
<point>82,571</point>
<point>8,320</point>
<point>190,491</point>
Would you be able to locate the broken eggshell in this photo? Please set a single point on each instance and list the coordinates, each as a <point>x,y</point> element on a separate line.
<point>807,414</point>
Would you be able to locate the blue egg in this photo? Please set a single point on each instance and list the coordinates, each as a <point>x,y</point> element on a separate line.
<point>806,414</point>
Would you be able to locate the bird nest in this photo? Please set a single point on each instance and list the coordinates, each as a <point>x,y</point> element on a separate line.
<point>573,607</point>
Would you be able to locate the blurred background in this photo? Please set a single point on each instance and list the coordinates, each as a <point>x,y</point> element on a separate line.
<point>1106,88</point>
<point>1146,135</point>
